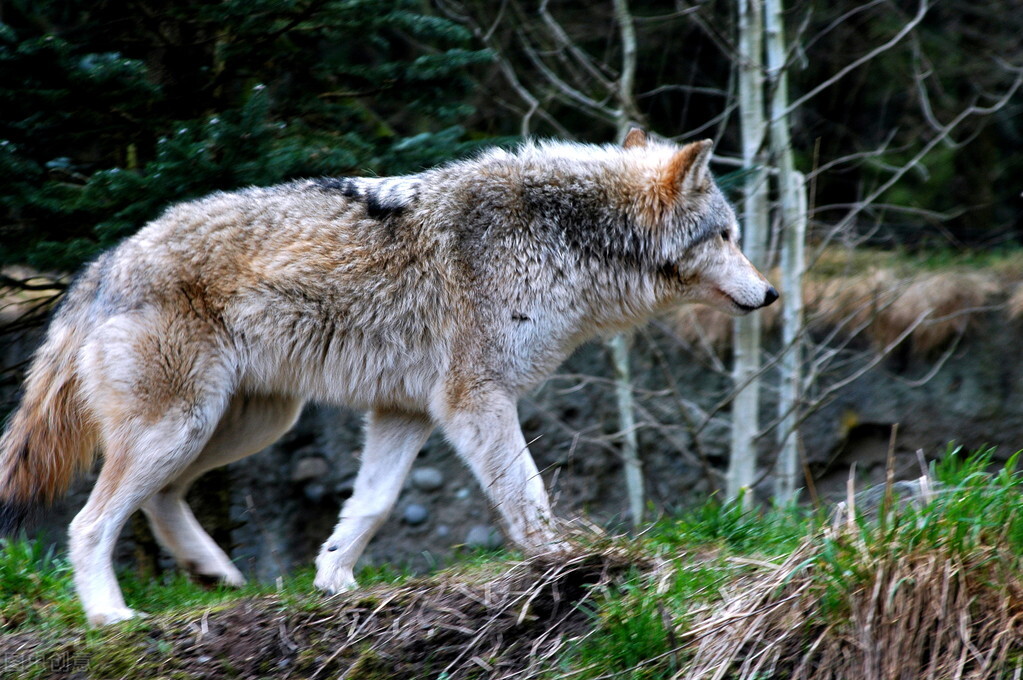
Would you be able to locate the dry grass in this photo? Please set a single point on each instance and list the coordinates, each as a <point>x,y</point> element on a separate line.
<point>892,610</point>
<point>703,326</point>
<point>927,309</point>
<point>934,308</point>
<point>923,616</point>
<point>850,303</point>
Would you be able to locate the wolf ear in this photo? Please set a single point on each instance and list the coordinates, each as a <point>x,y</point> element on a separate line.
<point>689,168</point>
<point>635,138</point>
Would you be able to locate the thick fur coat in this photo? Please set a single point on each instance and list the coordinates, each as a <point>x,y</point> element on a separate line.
<point>427,300</point>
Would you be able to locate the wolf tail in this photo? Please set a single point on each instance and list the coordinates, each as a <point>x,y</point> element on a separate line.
<point>51,437</point>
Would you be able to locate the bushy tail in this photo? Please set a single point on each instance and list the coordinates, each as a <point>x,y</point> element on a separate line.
<point>50,437</point>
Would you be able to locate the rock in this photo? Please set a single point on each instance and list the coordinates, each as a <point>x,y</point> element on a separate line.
<point>309,468</point>
<point>415,514</point>
<point>484,536</point>
<point>427,479</point>
<point>314,491</point>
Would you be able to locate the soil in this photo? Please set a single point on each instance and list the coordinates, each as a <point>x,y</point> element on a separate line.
<point>495,622</point>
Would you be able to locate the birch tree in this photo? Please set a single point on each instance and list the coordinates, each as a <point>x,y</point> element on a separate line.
<point>747,342</point>
<point>626,117</point>
<point>791,192</point>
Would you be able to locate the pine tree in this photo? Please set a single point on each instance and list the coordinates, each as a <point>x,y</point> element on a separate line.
<point>110,111</point>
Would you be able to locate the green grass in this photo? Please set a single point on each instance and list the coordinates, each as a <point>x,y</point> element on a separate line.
<point>973,518</point>
<point>36,588</point>
<point>730,527</point>
<point>638,621</point>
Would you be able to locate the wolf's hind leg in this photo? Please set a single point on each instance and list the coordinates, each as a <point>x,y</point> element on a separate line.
<point>140,458</point>
<point>250,424</point>
<point>392,441</point>
<point>157,383</point>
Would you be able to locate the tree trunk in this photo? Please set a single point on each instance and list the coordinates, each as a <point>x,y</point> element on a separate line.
<point>619,347</point>
<point>619,344</point>
<point>746,405</point>
<point>792,205</point>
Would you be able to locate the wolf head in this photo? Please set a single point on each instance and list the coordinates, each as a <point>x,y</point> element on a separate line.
<point>696,230</point>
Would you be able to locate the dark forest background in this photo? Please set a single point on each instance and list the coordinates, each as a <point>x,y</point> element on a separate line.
<point>110,111</point>
<point>906,124</point>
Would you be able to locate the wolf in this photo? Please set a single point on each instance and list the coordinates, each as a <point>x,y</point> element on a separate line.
<point>428,300</point>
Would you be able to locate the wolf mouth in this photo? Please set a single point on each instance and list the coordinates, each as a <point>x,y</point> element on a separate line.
<point>745,309</point>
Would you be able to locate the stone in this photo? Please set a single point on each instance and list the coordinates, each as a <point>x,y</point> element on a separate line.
<point>415,514</point>
<point>427,479</point>
<point>314,491</point>
<point>310,468</point>
<point>484,536</point>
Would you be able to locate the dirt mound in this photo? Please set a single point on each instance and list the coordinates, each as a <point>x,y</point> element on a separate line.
<point>498,621</point>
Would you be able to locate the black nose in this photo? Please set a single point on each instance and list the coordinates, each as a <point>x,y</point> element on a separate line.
<point>770,296</point>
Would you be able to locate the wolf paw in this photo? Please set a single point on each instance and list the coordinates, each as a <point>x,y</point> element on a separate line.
<point>339,581</point>
<point>227,575</point>
<point>232,577</point>
<point>333,578</point>
<point>112,616</point>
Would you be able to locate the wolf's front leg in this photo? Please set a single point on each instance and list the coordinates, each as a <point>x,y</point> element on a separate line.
<point>392,441</point>
<point>483,426</point>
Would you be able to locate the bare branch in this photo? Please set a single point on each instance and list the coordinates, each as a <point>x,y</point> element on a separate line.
<point>506,68</point>
<point>711,91</point>
<point>841,20</point>
<point>565,91</point>
<point>869,56</point>
<point>945,131</point>
<point>562,40</point>
<point>627,80</point>
<point>659,19</point>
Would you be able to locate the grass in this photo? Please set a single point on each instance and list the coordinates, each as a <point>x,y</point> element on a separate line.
<point>970,517</point>
<point>36,586</point>
<point>929,586</point>
<point>37,592</point>
<point>922,587</point>
<point>639,623</point>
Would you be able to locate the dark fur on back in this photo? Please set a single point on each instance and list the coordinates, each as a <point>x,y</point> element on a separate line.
<point>378,206</point>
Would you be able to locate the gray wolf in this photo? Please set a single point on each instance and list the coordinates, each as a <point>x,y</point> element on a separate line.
<point>429,300</point>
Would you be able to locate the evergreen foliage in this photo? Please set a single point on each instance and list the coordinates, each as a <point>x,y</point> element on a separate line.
<point>111,111</point>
